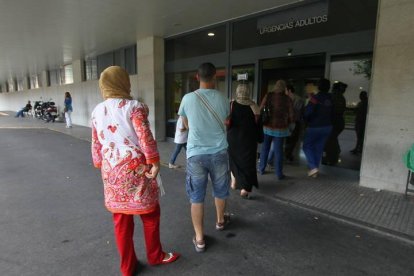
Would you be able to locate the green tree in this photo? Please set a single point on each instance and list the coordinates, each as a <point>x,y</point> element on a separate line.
<point>362,67</point>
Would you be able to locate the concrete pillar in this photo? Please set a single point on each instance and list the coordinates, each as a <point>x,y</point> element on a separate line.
<point>26,83</point>
<point>150,64</point>
<point>390,125</point>
<point>45,78</point>
<point>78,71</point>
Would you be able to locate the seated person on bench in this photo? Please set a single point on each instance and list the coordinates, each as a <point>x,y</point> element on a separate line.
<point>27,108</point>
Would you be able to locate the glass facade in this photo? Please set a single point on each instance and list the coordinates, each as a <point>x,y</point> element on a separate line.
<point>355,71</point>
<point>297,43</point>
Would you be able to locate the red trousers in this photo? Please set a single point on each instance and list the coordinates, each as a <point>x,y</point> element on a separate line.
<point>124,232</point>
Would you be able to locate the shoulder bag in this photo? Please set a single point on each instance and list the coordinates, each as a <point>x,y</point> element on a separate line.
<point>211,110</point>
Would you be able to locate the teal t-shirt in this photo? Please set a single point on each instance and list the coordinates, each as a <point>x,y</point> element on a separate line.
<point>205,136</point>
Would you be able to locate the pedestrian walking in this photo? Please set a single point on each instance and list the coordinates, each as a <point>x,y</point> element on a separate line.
<point>277,125</point>
<point>204,112</point>
<point>124,149</point>
<point>332,147</point>
<point>360,121</point>
<point>180,140</point>
<point>68,109</point>
<point>243,135</point>
<point>298,108</point>
<point>318,116</point>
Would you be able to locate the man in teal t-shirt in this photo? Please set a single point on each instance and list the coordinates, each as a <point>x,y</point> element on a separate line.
<point>206,149</point>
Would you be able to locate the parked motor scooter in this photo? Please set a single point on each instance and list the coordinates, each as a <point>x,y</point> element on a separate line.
<point>38,109</point>
<point>49,111</point>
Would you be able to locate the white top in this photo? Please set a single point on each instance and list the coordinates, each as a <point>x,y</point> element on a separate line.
<point>180,136</point>
<point>112,121</point>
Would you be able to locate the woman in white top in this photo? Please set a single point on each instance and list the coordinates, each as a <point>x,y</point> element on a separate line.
<point>180,139</point>
<point>125,150</point>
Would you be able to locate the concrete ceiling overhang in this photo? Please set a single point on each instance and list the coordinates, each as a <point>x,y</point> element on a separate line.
<point>44,34</point>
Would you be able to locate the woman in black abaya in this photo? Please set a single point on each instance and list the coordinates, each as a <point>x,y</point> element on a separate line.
<point>243,134</point>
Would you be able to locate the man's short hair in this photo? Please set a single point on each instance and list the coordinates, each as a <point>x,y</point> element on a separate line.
<point>324,85</point>
<point>206,72</point>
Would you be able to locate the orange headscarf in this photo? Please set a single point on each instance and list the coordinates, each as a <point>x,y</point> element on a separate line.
<point>114,83</point>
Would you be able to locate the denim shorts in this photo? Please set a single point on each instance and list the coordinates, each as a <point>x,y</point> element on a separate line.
<point>199,167</point>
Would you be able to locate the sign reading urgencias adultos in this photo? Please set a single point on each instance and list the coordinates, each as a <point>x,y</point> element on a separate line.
<point>315,12</point>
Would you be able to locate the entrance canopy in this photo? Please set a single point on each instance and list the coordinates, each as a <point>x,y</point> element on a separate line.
<point>45,34</point>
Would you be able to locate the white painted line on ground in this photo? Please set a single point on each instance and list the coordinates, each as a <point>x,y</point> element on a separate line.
<point>29,127</point>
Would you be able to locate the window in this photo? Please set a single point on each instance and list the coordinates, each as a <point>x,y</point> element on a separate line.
<point>239,73</point>
<point>125,57</point>
<point>179,84</point>
<point>12,85</point>
<point>119,58</point>
<point>20,85</point>
<point>67,74</point>
<point>104,61</point>
<point>54,77</point>
<point>91,69</point>
<point>131,59</point>
<point>353,71</point>
<point>35,82</point>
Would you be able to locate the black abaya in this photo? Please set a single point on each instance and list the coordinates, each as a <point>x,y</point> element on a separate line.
<point>242,138</point>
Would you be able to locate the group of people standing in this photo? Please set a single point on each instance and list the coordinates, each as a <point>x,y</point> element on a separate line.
<point>221,144</point>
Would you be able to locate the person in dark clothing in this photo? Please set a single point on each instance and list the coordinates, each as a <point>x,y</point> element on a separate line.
<point>298,108</point>
<point>360,121</point>
<point>332,147</point>
<point>27,108</point>
<point>243,135</point>
<point>318,116</point>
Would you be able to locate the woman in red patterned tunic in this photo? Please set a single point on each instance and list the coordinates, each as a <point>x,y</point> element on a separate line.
<point>124,149</point>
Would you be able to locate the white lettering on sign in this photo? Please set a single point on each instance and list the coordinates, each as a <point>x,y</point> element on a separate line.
<point>294,24</point>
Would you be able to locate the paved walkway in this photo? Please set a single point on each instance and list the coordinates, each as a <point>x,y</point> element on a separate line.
<point>335,193</point>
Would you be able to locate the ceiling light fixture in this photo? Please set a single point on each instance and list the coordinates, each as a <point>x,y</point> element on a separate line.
<point>211,34</point>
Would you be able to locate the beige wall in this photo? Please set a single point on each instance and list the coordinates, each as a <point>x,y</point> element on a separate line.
<point>85,96</point>
<point>390,125</point>
<point>147,86</point>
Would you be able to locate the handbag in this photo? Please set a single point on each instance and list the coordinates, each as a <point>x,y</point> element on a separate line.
<point>228,121</point>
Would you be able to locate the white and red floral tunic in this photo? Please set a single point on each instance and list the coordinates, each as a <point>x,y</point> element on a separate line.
<point>123,148</point>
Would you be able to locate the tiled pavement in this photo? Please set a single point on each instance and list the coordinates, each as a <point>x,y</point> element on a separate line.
<point>335,193</point>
